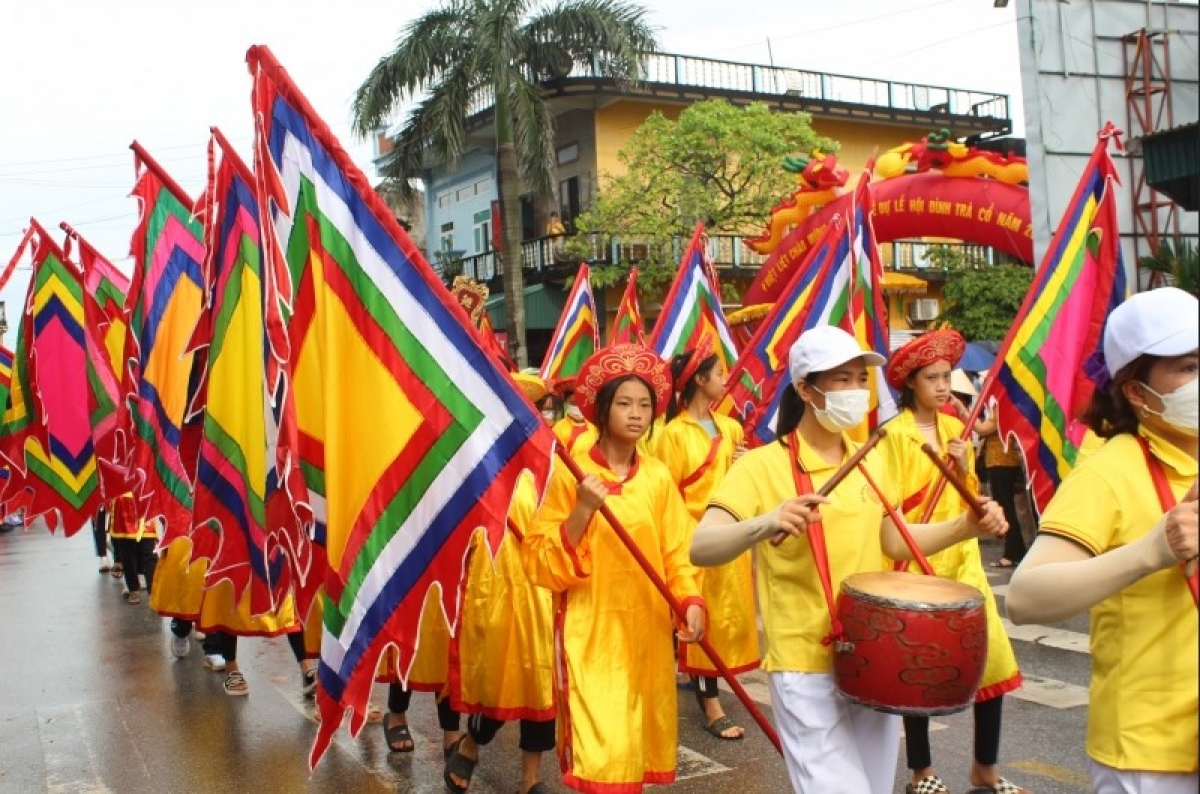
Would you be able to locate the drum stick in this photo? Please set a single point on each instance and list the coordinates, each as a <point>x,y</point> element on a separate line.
<point>901,526</point>
<point>955,481</point>
<point>676,608</point>
<point>841,474</point>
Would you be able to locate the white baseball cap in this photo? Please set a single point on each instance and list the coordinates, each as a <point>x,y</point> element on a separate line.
<point>1162,322</point>
<point>824,348</point>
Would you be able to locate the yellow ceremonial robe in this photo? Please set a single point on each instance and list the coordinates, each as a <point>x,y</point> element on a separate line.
<point>502,657</point>
<point>575,437</point>
<point>179,592</point>
<point>617,718</point>
<point>429,671</point>
<point>916,476</point>
<point>697,464</point>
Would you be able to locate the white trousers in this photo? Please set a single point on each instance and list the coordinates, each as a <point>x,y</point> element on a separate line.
<point>1109,780</point>
<point>830,745</point>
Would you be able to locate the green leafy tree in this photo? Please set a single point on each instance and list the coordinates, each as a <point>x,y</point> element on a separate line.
<point>499,50</point>
<point>1180,261</point>
<point>980,301</point>
<point>717,162</point>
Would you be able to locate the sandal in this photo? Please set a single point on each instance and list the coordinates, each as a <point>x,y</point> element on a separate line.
<point>398,737</point>
<point>718,727</point>
<point>1002,786</point>
<point>132,597</point>
<point>1003,562</point>
<point>308,684</point>
<point>117,571</point>
<point>235,685</point>
<point>460,766</point>
<point>930,784</point>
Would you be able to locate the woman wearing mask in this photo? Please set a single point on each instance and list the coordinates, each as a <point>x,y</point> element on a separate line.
<point>698,447</point>
<point>829,743</point>
<point>920,372</point>
<point>1113,539</point>
<point>617,714</point>
<point>573,431</point>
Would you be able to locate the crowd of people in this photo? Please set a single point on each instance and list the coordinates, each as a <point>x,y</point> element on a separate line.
<point>565,634</point>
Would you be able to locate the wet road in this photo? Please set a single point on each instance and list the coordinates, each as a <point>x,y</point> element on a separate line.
<point>92,701</point>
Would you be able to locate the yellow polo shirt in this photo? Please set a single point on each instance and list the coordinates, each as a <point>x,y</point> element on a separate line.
<point>790,598</point>
<point>1144,639</point>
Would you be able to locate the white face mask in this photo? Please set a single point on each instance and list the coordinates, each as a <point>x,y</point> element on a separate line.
<point>574,412</point>
<point>844,409</point>
<point>1181,408</point>
<point>549,416</point>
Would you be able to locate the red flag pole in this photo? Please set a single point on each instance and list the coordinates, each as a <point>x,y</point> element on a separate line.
<point>676,607</point>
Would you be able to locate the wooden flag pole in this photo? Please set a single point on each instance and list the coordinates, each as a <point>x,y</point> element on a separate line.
<point>676,607</point>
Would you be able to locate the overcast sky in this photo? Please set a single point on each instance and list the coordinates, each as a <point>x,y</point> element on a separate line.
<point>80,79</point>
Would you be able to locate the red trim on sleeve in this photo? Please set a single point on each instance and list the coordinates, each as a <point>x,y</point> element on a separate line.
<point>572,550</point>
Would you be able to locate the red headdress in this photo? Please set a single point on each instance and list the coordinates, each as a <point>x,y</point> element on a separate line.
<point>921,352</point>
<point>618,361</point>
<point>563,386</point>
<point>701,353</point>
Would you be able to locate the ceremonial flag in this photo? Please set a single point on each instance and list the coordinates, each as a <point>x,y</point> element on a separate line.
<point>692,308</point>
<point>627,327</point>
<point>47,435</point>
<point>164,305</point>
<point>105,329</point>
<point>755,377</point>
<point>424,436</point>
<point>848,297</point>
<point>1039,376</point>
<point>578,334</point>
<point>233,483</point>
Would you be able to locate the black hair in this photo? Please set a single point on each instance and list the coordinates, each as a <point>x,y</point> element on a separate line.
<point>604,401</point>
<point>907,398</point>
<point>550,402</point>
<point>791,408</point>
<point>678,365</point>
<point>1110,413</point>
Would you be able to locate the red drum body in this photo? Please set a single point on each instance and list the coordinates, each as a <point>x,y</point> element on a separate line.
<point>914,645</point>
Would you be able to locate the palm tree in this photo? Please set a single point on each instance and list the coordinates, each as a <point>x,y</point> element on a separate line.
<point>500,50</point>
<point>1180,261</point>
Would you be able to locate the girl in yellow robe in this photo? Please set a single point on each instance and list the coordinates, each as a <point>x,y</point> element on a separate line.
<point>698,447</point>
<point>617,715</point>
<point>575,433</point>
<point>502,656</point>
<point>920,371</point>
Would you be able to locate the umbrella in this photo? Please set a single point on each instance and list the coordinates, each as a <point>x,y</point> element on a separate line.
<point>977,358</point>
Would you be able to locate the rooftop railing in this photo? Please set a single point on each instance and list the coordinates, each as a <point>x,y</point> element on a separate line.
<point>686,71</point>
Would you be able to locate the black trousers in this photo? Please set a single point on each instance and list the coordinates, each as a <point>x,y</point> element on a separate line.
<point>100,532</point>
<point>226,644</point>
<point>537,736</point>
<point>1003,481</point>
<point>987,736</point>
<point>399,699</point>
<point>136,556</point>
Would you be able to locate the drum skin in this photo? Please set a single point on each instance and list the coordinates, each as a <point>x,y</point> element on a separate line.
<point>914,645</point>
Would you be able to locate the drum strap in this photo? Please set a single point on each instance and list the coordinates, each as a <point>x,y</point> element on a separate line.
<point>816,542</point>
<point>1167,500</point>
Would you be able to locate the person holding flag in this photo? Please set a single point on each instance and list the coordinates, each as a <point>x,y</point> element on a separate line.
<point>617,715</point>
<point>920,373</point>
<point>829,744</point>
<point>1119,537</point>
<point>698,447</point>
<point>502,656</point>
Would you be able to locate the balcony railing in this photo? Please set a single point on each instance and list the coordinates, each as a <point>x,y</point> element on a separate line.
<point>685,71</point>
<point>555,257</point>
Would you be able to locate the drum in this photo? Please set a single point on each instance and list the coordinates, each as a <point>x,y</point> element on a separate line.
<point>914,645</point>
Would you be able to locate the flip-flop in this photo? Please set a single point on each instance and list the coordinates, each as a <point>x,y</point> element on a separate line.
<point>1003,562</point>
<point>460,766</point>
<point>718,727</point>
<point>397,734</point>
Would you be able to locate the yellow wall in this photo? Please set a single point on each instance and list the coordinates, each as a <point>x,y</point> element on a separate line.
<point>615,125</point>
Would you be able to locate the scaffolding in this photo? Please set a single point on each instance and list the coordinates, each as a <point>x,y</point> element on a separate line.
<point>1148,110</point>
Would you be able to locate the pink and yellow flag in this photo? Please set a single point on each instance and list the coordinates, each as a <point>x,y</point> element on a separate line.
<point>628,327</point>
<point>578,333</point>
<point>47,435</point>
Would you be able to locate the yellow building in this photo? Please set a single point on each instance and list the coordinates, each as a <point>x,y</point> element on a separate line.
<point>595,117</point>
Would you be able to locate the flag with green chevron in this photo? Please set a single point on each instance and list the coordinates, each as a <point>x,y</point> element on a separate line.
<point>422,435</point>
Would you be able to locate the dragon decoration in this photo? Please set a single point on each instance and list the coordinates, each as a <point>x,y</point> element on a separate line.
<point>821,179</point>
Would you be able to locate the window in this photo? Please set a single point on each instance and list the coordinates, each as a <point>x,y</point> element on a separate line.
<point>445,199</point>
<point>483,231</point>
<point>568,200</point>
<point>483,187</point>
<point>567,154</point>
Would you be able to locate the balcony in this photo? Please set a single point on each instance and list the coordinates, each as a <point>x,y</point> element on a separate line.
<point>822,93</point>
<point>549,258</point>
